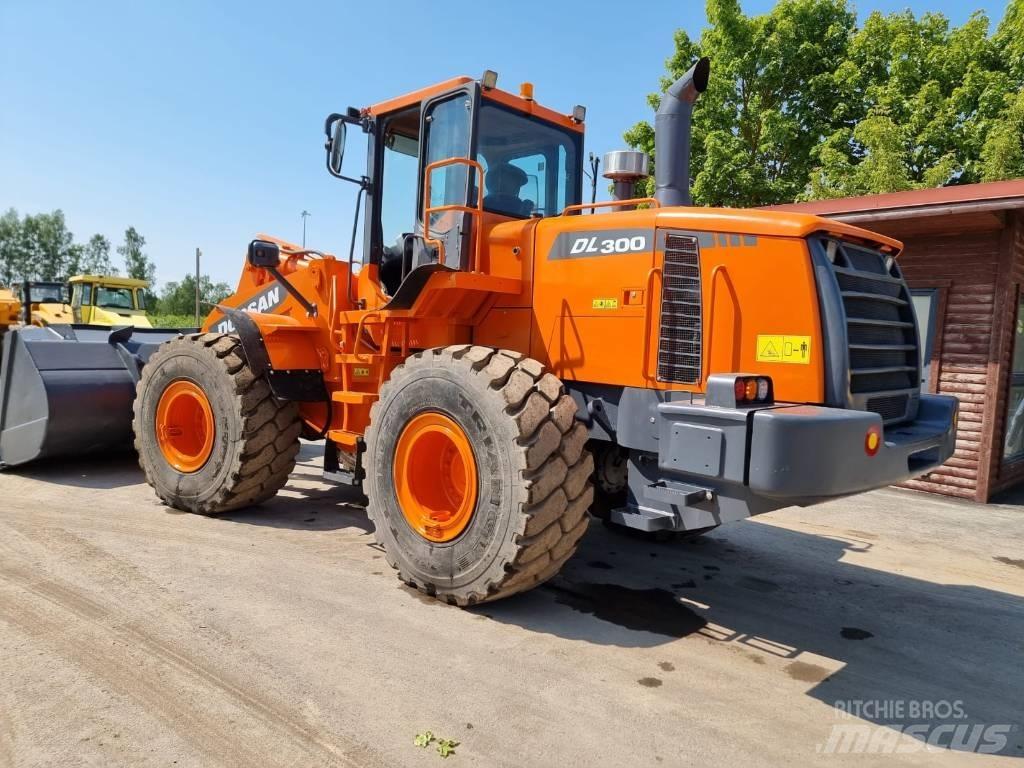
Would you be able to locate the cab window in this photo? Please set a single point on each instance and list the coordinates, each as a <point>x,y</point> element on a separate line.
<point>531,168</point>
<point>113,298</point>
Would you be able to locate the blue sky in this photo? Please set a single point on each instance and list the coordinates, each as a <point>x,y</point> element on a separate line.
<point>200,123</point>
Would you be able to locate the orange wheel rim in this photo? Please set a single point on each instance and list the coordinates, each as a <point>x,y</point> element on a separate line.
<point>184,426</point>
<point>435,477</point>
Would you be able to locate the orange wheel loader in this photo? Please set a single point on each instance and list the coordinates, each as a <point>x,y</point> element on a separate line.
<point>504,358</point>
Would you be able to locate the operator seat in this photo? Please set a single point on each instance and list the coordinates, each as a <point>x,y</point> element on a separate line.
<point>503,182</point>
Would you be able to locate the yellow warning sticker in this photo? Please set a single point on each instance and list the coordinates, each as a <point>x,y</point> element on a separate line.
<point>605,304</point>
<point>784,349</point>
<point>360,371</point>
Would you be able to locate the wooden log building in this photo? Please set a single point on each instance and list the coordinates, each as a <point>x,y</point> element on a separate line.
<point>964,263</point>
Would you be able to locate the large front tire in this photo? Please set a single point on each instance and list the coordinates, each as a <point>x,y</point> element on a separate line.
<point>210,435</point>
<point>519,463</point>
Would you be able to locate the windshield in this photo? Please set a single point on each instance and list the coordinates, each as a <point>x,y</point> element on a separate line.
<point>47,294</point>
<point>530,167</point>
<point>114,298</point>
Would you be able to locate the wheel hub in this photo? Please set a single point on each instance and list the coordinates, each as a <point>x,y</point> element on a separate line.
<point>184,426</point>
<point>435,477</point>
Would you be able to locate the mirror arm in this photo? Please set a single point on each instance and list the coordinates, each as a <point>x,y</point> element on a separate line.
<point>352,117</point>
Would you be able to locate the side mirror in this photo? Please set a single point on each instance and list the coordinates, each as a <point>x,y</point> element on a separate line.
<point>264,254</point>
<point>335,145</point>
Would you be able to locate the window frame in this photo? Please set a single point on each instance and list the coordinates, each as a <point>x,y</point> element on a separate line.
<point>1014,380</point>
<point>937,324</point>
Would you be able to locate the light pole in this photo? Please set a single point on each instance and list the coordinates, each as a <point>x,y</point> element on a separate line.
<point>305,215</point>
<point>199,254</point>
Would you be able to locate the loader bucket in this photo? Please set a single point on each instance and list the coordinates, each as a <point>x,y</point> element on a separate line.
<point>67,390</point>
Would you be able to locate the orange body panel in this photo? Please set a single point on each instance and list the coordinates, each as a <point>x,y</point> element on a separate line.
<point>577,292</point>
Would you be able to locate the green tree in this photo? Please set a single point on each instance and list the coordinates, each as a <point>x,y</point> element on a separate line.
<point>136,262</point>
<point>12,255</point>
<point>803,104</point>
<point>1009,40</point>
<point>925,98</point>
<point>1002,156</point>
<point>769,101</point>
<point>50,245</point>
<point>179,298</point>
<point>96,257</point>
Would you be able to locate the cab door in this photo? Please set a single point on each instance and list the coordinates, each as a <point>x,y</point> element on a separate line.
<point>448,132</point>
<point>84,312</point>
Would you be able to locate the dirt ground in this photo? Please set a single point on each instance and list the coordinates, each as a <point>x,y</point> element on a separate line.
<point>131,634</point>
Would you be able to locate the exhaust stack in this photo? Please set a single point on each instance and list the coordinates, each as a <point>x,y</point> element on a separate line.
<point>672,135</point>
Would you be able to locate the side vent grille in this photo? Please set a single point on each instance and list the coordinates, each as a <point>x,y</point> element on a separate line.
<point>680,337</point>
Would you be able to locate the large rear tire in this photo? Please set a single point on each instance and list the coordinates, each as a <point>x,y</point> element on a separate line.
<point>210,435</point>
<point>498,436</point>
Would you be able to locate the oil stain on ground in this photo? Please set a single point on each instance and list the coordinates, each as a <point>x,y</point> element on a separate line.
<point>649,682</point>
<point>854,633</point>
<point>643,610</point>
<point>808,673</point>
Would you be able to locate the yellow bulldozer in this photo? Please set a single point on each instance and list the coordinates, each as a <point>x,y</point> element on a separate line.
<point>507,357</point>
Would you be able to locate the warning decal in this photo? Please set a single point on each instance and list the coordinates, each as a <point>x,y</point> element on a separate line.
<point>784,349</point>
<point>605,304</point>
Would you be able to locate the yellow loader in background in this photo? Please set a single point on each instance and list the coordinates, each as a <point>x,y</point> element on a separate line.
<point>10,309</point>
<point>44,302</point>
<point>94,300</point>
<point>104,300</point>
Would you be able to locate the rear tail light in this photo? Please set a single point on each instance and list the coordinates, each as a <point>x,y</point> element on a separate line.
<point>752,389</point>
<point>730,390</point>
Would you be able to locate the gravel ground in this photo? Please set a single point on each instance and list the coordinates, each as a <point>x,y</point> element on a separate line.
<point>131,634</point>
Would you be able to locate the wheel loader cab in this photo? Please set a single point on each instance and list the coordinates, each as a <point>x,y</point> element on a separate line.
<point>447,164</point>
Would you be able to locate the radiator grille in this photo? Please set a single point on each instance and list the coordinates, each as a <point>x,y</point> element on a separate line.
<point>680,336</point>
<point>881,330</point>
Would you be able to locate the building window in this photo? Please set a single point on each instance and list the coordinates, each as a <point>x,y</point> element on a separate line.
<point>926,303</point>
<point>1013,450</point>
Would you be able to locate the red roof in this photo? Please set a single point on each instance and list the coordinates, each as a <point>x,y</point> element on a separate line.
<point>997,194</point>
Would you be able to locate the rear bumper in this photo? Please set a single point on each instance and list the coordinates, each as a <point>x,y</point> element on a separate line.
<point>802,453</point>
<point>806,452</point>
<point>719,464</point>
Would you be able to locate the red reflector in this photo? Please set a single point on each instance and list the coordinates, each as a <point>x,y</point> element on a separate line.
<point>740,387</point>
<point>872,441</point>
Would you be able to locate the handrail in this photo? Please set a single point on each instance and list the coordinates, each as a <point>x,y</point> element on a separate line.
<point>709,337</point>
<point>359,333</point>
<point>477,211</point>
<point>648,313</point>
<point>611,204</point>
